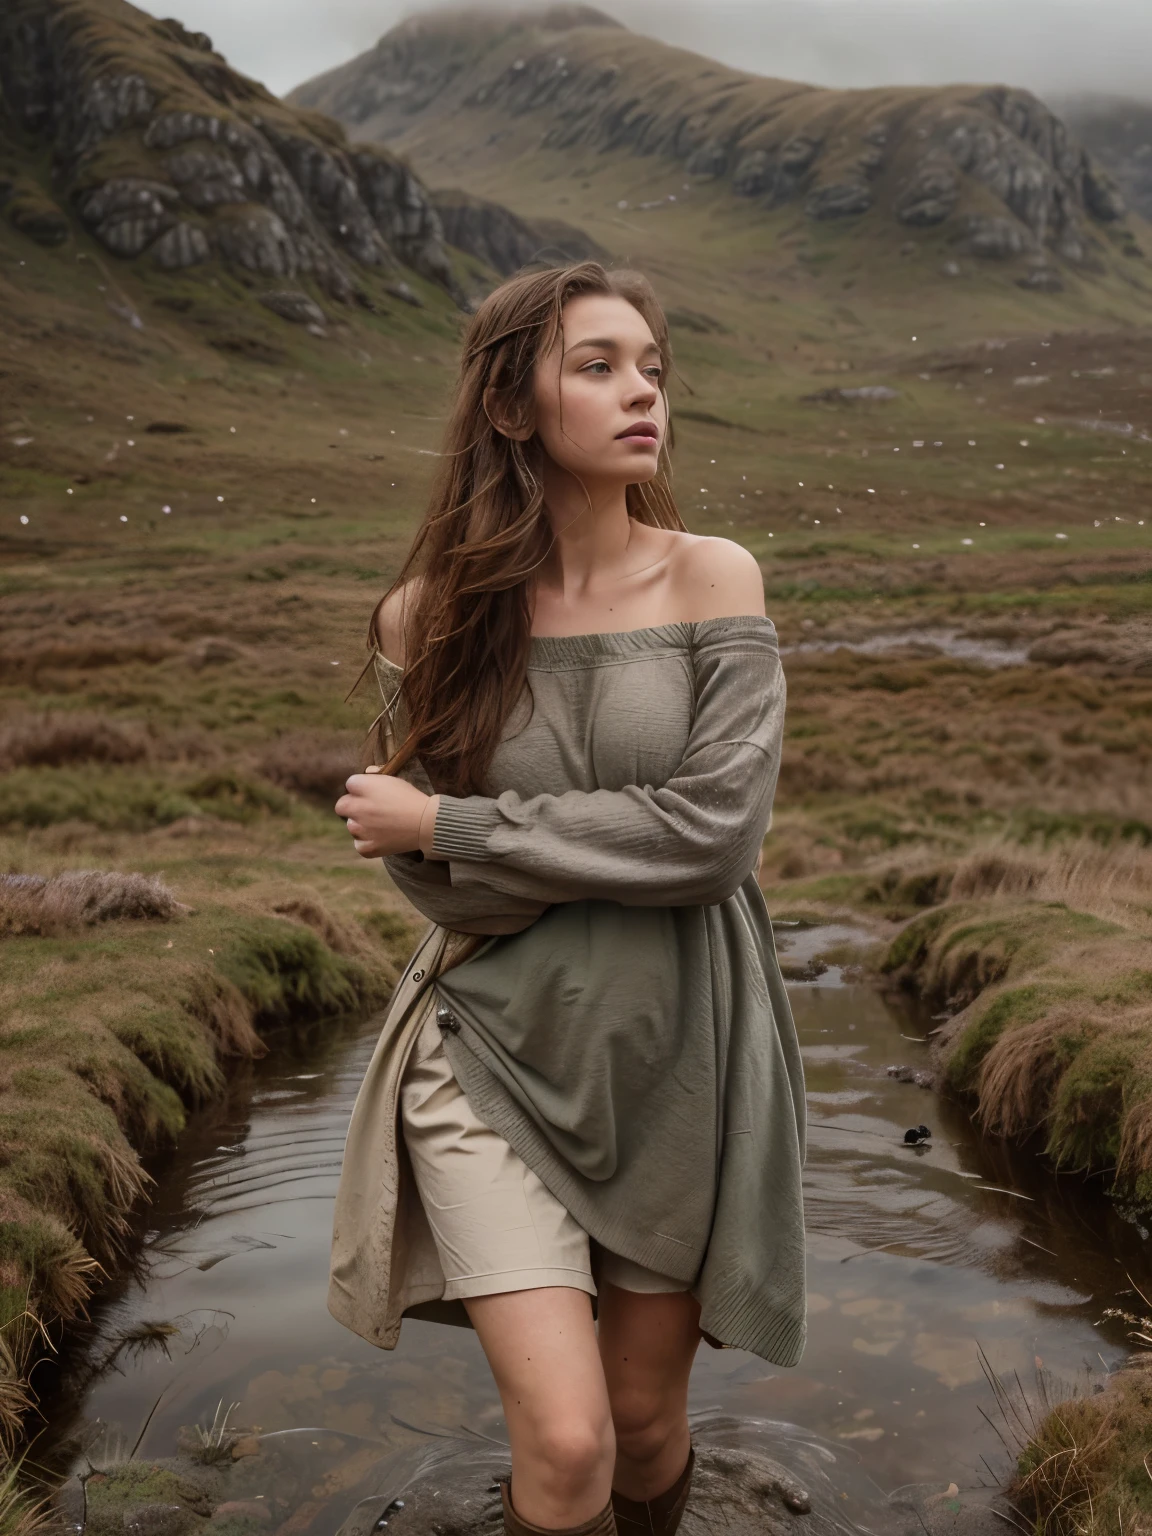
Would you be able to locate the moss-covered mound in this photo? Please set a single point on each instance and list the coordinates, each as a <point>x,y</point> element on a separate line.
<point>119,1006</point>
<point>1053,1031</point>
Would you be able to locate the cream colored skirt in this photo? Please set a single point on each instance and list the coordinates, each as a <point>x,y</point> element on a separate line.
<point>495,1226</point>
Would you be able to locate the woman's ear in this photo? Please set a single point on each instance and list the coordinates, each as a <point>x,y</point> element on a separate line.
<point>500,407</point>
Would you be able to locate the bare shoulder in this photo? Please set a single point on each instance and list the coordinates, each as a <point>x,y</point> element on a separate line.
<point>388,621</point>
<point>716,578</point>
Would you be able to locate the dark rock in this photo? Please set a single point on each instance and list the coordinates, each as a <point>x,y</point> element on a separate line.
<point>290,304</point>
<point>1117,132</point>
<point>207,178</point>
<point>856,392</point>
<point>502,239</point>
<point>403,211</point>
<point>36,215</point>
<point>710,159</point>
<point>128,213</point>
<point>799,154</point>
<point>168,428</point>
<point>918,1075</point>
<point>838,200</point>
<point>1042,279</point>
<point>212,650</point>
<point>1102,197</point>
<point>256,238</point>
<point>755,173</point>
<point>998,237</point>
<point>930,195</point>
<point>184,245</point>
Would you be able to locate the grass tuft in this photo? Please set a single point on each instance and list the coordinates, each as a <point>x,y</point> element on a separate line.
<point>46,905</point>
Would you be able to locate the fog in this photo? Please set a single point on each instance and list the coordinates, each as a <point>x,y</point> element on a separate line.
<point>1054,47</point>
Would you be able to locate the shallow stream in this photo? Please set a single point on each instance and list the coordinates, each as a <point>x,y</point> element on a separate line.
<point>921,1257</point>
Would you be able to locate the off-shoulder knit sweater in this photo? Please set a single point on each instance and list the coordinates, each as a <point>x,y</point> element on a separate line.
<point>626,1027</point>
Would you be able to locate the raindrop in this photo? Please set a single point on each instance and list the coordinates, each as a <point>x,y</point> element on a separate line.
<point>23,518</point>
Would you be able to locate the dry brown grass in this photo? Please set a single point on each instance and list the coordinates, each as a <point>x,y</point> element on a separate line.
<point>52,738</point>
<point>221,1005</point>
<point>1018,1078</point>
<point>311,763</point>
<point>45,905</point>
<point>341,934</point>
<point>1083,1465</point>
<point>1113,882</point>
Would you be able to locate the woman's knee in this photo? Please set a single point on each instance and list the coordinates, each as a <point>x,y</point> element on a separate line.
<point>644,1421</point>
<point>573,1451</point>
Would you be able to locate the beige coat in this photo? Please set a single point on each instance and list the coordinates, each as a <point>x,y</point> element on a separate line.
<point>384,1261</point>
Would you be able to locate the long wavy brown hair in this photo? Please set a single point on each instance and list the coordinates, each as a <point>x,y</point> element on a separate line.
<point>467,624</point>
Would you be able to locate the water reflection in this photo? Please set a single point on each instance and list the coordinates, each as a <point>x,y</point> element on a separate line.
<point>919,1256</point>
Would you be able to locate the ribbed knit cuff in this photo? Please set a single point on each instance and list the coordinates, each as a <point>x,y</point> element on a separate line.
<point>463,826</point>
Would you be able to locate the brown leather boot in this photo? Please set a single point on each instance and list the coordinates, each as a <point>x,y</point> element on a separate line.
<point>659,1516</point>
<point>603,1524</point>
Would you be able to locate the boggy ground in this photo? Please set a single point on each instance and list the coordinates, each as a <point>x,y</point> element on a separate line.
<point>195,520</point>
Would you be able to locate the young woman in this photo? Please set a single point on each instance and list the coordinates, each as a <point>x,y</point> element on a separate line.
<point>582,1130</point>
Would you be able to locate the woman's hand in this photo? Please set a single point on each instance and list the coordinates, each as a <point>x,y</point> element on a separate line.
<point>384,814</point>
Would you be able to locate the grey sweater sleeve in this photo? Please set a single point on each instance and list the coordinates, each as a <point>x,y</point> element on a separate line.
<point>427,883</point>
<point>692,841</point>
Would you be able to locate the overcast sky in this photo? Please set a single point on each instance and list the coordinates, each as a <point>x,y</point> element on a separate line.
<point>1050,46</point>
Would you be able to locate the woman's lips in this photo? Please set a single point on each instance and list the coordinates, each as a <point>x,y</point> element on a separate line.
<point>644,434</point>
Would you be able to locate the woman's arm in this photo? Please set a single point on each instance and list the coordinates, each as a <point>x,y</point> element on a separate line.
<point>692,841</point>
<point>428,886</point>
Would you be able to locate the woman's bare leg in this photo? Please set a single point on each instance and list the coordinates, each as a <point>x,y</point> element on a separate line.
<point>647,1345</point>
<point>541,1345</point>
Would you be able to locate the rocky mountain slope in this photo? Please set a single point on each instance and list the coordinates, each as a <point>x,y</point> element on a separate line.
<point>1118,132</point>
<point>137,132</point>
<point>992,170</point>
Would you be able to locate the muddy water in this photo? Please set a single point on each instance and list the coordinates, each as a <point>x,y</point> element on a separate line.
<point>920,1257</point>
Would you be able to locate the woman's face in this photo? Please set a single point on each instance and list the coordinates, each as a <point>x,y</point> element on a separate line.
<point>602,376</point>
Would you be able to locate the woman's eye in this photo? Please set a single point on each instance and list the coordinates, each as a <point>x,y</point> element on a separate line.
<point>653,369</point>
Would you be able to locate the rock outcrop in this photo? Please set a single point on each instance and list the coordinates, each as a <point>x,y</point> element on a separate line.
<point>165,153</point>
<point>993,166</point>
<point>506,242</point>
<point>1118,134</point>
